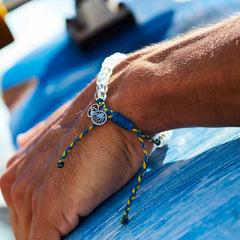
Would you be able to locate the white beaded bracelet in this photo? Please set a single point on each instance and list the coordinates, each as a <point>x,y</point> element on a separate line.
<point>105,73</point>
<point>101,90</point>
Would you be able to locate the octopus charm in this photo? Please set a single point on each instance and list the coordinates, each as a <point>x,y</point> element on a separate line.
<point>92,109</point>
<point>97,115</point>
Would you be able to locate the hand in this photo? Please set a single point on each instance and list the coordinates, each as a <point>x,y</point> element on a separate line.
<point>45,202</point>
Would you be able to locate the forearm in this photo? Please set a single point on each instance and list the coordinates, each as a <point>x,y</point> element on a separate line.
<point>193,80</point>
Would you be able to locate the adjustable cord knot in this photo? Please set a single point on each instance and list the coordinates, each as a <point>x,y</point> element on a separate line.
<point>122,121</point>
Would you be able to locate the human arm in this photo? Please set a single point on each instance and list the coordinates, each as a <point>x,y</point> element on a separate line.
<point>189,81</point>
<point>192,80</point>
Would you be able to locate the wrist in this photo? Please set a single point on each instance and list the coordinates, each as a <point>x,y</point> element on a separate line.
<point>181,83</point>
<point>129,94</point>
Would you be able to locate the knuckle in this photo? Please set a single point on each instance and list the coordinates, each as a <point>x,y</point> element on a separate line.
<point>10,161</point>
<point>17,192</point>
<point>6,182</point>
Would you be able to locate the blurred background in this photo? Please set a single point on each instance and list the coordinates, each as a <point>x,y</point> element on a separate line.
<point>50,50</point>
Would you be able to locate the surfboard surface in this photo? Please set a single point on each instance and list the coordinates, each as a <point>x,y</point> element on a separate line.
<point>191,191</point>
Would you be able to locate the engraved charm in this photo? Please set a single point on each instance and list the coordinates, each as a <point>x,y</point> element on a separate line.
<point>99,117</point>
<point>92,109</point>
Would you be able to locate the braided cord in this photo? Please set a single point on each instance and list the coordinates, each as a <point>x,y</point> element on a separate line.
<point>61,162</point>
<point>124,219</point>
<point>127,124</point>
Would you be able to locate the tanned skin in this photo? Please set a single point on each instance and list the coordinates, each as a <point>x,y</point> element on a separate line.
<point>193,80</point>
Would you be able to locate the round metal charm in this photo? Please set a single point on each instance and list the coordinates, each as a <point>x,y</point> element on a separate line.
<point>92,109</point>
<point>99,117</point>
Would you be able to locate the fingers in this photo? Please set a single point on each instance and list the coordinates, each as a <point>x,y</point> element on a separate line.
<point>53,215</point>
<point>43,232</point>
<point>27,170</point>
<point>13,221</point>
<point>25,223</point>
<point>23,178</point>
<point>6,182</point>
<point>25,218</point>
<point>44,227</point>
<point>21,173</point>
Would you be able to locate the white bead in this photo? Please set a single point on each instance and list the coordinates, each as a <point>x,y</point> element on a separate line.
<point>107,66</point>
<point>101,75</point>
<point>108,75</point>
<point>106,70</point>
<point>102,82</point>
<point>164,137</point>
<point>107,63</point>
<point>100,79</point>
<point>101,88</point>
<point>104,75</point>
<point>96,96</point>
<point>102,95</point>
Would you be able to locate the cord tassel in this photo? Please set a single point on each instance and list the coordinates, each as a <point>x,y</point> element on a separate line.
<point>125,219</point>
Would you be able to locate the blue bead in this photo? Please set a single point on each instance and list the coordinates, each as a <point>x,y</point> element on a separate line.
<point>99,101</point>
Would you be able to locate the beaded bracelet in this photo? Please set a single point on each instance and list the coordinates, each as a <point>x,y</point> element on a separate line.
<point>99,113</point>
